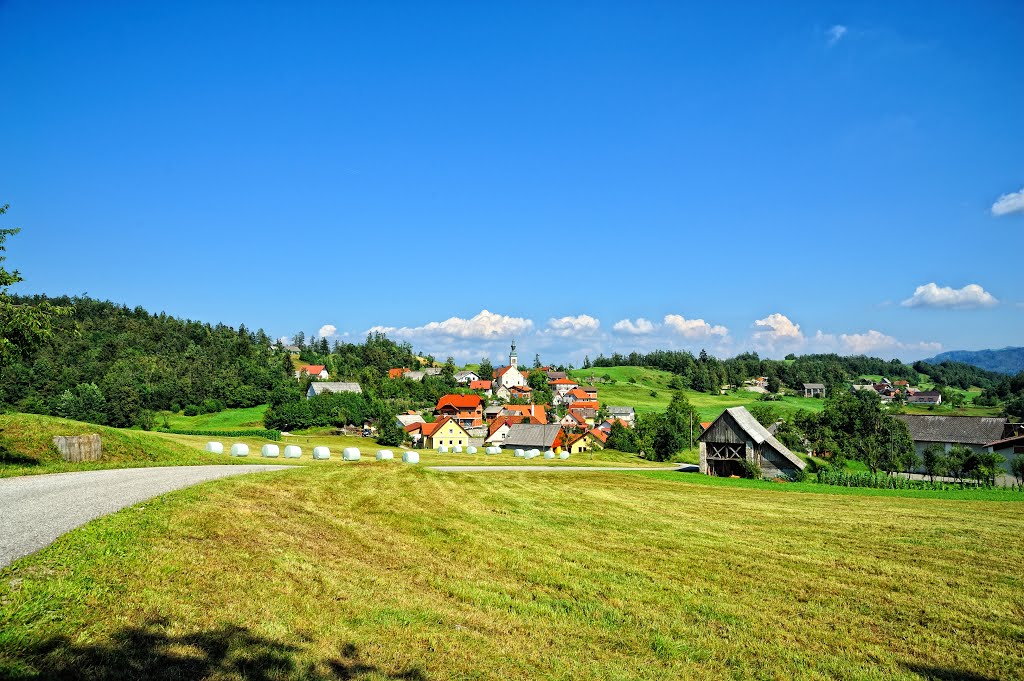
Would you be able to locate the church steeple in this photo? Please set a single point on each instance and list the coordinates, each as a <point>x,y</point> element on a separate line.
<point>513,358</point>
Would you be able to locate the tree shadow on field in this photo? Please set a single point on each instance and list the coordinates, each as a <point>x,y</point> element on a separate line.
<point>946,674</point>
<point>148,652</point>
<point>12,458</point>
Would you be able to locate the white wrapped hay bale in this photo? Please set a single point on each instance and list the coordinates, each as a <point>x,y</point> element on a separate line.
<point>471,450</point>
<point>240,449</point>
<point>350,454</point>
<point>385,455</point>
<point>457,449</point>
<point>549,454</point>
<point>270,451</point>
<point>215,447</point>
<point>321,453</point>
<point>519,453</point>
<point>492,450</point>
<point>292,452</point>
<point>563,456</point>
<point>442,449</point>
<point>410,457</point>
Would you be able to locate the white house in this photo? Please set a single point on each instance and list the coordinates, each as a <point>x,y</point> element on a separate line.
<point>318,387</point>
<point>314,370</point>
<point>509,376</point>
<point>466,377</point>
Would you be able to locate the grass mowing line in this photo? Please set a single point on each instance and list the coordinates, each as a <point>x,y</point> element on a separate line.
<point>385,572</point>
<point>1002,494</point>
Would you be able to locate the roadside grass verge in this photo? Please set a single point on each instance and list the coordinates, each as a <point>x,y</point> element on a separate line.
<point>379,572</point>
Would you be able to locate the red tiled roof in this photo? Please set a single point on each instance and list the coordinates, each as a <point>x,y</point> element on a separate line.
<point>482,384</point>
<point>579,393</point>
<point>496,424</point>
<point>562,381</point>
<point>521,389</point>
<point>459,402</point>
<point>431,428</point>
<point>396,373</point>
<point>600,435</point>
<point>538,411</point>
<point>312,369</point>
<point>498,373</point>
<point>584,404</point>
<point>704,425</point>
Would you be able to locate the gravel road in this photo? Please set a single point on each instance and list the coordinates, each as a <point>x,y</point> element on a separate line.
<point>36,509</point>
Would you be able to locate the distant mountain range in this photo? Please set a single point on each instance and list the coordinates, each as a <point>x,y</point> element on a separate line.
<point>1005,361</point>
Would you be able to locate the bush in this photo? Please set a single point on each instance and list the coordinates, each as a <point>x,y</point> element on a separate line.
<point>752,469</point>
<point>266,434</point>
<point>146,419</point>
<point>191,410</point>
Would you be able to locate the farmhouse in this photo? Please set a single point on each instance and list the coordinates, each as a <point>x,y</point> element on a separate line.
<point>976,432</point>
<point>624,414</point>
<point>925,397</point>
<point>468,410</point>
<point>320,387</point>
<point>497,431</point>
<point>482,385</point>
<point>534,436</point>
<point>314,370</point>
<point>466,377</point>
<point>582,442</point>
<point>735,437</point>
<point>813,390</point>
<point>445,432</point>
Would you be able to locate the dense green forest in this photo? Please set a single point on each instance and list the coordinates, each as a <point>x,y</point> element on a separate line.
<point>705,373</point>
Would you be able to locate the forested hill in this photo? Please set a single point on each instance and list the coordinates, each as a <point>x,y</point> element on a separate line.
<point>118,362</point>
<point>1008,361</point>
<point>705,373</point>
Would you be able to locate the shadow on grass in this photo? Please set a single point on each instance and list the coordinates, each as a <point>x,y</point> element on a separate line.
<point>946,674</point>
<point>148,652</point>
<point>9,458</point>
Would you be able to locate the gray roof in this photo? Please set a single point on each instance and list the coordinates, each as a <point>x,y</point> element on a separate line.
<point>319,387</point>
<point>621,410</point>
<point>758,433</point>
<point>817,386</point>
<point>555,375</point>
<point>531,435</point>
<point>464,374</point>
<point>493,408</point>
<point>407,419</point>
<point>413,375</point>
<point>965,430</point>
<point>432,371</point>
<point>585,412</point>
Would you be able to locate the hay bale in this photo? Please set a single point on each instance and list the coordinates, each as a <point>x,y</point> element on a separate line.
<point>321,453</point>
<point>471,450</point>
<point>492,450</point>
<point>410,457</point>
<point>443,449</point>
<point>350,454</point>
<point>215,447</point>
<point>385,455</point>
<point>532,453</point>
<point>549,454</point>
<point>519,453</point>
<point>563,456</point>
<point>292,451</point>
<point>270,451</point>
<point>457,449</point>
<point>239,449</point>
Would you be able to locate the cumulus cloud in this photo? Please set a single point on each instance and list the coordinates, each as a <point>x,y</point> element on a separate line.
<point>327,330</point>
<point>640,327</point>
<point>484,325</point>
<point>284,340</point>
<point>777,329</point>
<point>933,295</point>
<point>875,341</point>
<point>693,328</point>
<point>1009,203</point>
<point>573,326</point>
<point>835,33</point>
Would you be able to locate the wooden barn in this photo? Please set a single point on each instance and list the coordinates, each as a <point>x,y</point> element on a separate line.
<point>736,435</point>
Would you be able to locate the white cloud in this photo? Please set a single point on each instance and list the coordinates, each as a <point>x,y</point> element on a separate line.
<point>693,328</point>
<point>835,34</point>
<point>1009,203</point>
<point>284,340</point>
<point>932,295</point>
<point>876,341</point>
<point>640,327</point>
<point>573,326</point>
<point>777,329</point>
<point>327,330</point>
<point>484,325</point>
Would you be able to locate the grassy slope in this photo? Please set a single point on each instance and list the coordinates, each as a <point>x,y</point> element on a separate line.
<point>372,571</point>
<point>709,406</point>
<point>26,447</point>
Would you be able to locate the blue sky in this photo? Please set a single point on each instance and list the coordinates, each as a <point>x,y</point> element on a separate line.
<point>585,176</point>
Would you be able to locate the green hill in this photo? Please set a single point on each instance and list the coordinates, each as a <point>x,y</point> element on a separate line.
<point>26,447</point>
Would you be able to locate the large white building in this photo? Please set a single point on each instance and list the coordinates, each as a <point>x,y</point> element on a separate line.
<point>509,376</point>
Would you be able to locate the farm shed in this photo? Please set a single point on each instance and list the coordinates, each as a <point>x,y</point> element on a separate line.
<point>975,432</point>
<point>534,436</point>
<point>736,436</point>
<point>318,387</point>
<point>814,390</point>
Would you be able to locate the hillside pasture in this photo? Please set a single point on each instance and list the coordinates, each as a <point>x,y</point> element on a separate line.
<point>229,419</point>
<point>375,572</point>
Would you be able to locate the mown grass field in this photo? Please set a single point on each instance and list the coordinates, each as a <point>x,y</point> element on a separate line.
<point>228,419</point>
<point>638,395</point>
<point>391,572</point>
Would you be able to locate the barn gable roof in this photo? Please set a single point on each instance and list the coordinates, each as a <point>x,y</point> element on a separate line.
<point>532,435</point>
<point>319,387</point>
<point>758,433</point>
<point>967,430</point>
